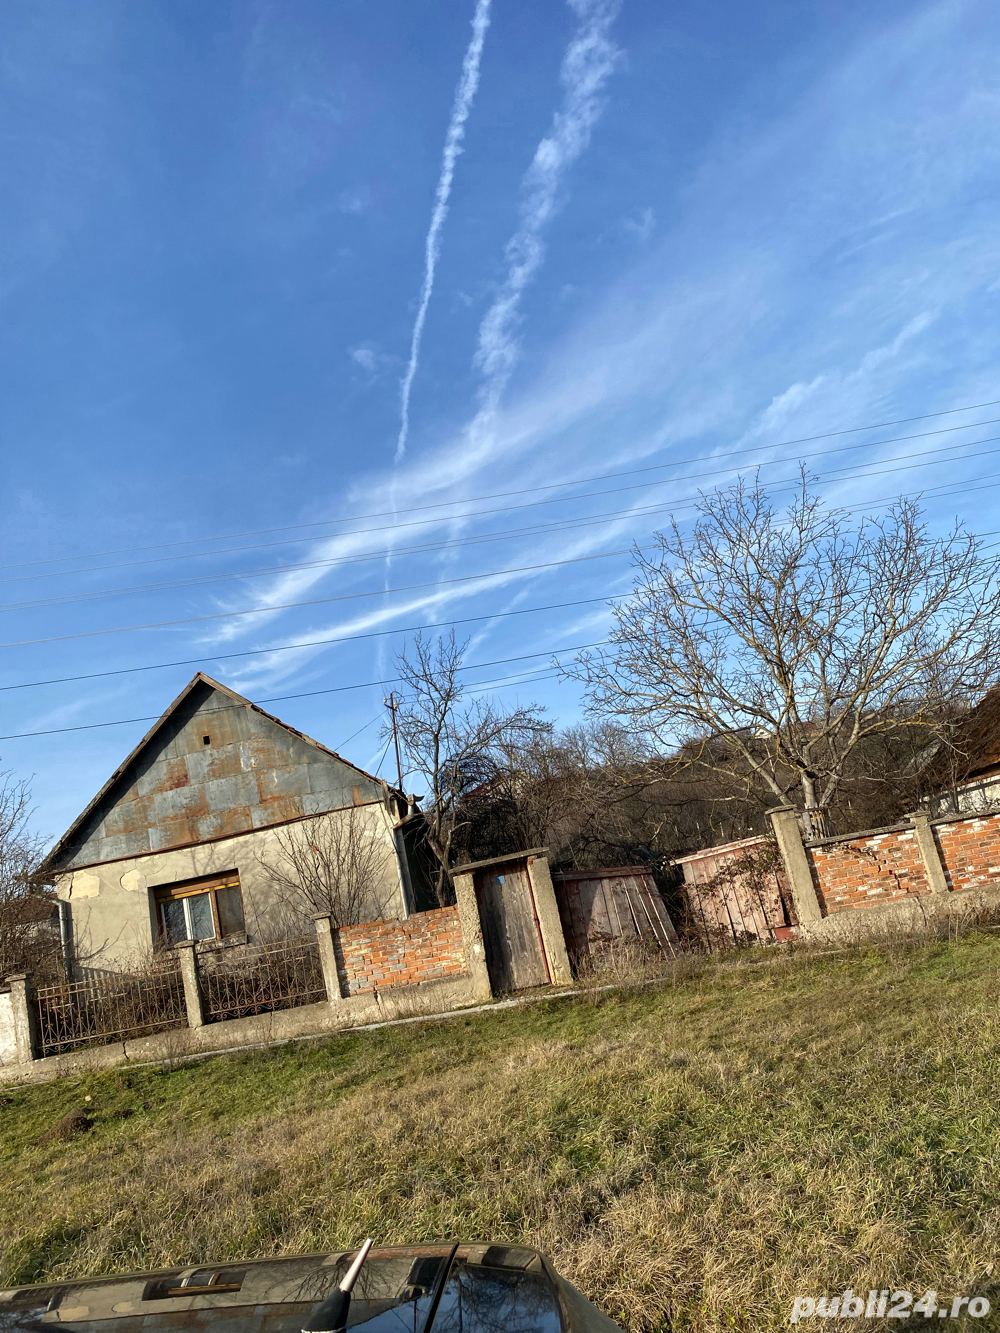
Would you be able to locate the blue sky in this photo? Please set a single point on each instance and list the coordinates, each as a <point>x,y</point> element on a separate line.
<point>671,232</point>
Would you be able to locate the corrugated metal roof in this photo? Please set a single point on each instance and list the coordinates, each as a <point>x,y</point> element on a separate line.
<point>239,701</point>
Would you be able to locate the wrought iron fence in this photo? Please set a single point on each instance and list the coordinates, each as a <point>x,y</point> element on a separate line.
<point>109,1008</point>
<point>260,979</point>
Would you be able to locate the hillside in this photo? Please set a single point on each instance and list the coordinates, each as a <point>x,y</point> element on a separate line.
<point>703,1149</point>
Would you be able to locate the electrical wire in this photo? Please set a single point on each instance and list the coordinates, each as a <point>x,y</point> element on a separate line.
<point>308,694</point>
<point>377,592</point>
<point>676,463</point>
<point>476,687</point>
<point>291,647</point>
<point>639,511</point>
<point>272,571</point>
<point>92,726</point>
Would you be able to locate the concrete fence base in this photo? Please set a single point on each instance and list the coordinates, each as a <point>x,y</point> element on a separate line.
<point>904,916</point>
<point>423,965</point>
<point>428,997</point>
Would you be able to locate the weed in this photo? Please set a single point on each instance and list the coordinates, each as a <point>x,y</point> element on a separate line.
<point>696,1150</point>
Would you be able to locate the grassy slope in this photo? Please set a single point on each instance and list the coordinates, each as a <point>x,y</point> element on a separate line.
<point>704,1149</point>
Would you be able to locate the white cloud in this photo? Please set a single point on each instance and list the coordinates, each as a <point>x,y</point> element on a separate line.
<point>355,201</point>
<point>367,357</point>
<point>641,225</point>
<point>737,328</point>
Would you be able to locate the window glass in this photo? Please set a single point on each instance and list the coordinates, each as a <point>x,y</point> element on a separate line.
<point>487,1300</point>
<point>202,923</point>
<point>392,1295</point>
<point>174,925</point>
<point>230,908</point>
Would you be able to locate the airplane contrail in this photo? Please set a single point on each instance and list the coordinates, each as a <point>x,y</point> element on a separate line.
<point>590,59</point>
<point>464,94</point>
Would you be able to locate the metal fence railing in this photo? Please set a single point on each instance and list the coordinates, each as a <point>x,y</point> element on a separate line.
<point>260,979</point>
<point>109,1008</point>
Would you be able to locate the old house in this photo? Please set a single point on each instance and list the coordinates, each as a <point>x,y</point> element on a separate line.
<point>180,841</point>
<point>965,776</point>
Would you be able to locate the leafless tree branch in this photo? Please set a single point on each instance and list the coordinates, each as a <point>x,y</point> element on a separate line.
<point>789,642</point>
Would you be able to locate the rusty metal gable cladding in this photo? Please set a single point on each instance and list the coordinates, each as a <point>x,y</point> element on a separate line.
<point>177,788</point>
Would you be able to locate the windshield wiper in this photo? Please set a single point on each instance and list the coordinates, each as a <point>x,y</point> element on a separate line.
<point>330,1316</point>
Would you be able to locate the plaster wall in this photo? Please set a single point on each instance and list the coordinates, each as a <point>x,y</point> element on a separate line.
<point>983,794</point>
<point>8,1041</point>
<point>112,904</point>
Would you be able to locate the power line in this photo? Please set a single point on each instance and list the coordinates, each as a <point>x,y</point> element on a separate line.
<point>285,648</point>
<point>263,610</point>
<point>871,444</point>
<point>278,570</point>
<point>347,597</point>
<point>128,721</point>
<point>636,512</point>
<point>319,643</point>
<point>346,638</point>
<point>336,689</point>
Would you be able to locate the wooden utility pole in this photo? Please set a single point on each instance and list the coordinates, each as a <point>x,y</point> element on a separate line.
<point>391,704</point>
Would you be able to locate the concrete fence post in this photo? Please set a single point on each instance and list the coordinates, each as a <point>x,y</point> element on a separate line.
<point>937,881</point>
<point>189,975</point>
<point>549,921</point>
<point>23,1013</point>
<point>785,823</point>
<point>327,956</point>
<point>472,935</point>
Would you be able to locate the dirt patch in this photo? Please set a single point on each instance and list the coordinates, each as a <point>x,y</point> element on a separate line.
<point>70,1126</point>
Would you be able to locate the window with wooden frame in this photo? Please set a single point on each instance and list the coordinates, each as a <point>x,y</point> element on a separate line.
<point>200,909</point>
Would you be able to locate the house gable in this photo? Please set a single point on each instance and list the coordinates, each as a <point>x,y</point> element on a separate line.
<point>179,788</point>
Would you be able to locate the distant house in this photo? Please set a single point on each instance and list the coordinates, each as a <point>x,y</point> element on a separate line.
<point>176,843</point>
<point>965,776</point>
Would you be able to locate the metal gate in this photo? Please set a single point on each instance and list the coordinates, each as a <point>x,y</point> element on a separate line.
<point>515,956</point>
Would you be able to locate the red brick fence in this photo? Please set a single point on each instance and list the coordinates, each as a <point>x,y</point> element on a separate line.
<point>839,887</point>
<point>428,946</point>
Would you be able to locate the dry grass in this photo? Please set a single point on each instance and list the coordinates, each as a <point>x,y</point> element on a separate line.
<point>697,1151</point>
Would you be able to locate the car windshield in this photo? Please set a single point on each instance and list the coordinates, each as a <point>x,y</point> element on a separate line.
<point>489,1290</point>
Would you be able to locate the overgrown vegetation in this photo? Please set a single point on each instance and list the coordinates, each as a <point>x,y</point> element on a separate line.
<point>809,656</point>
<point>29,930</point>
<point>698,1151</point>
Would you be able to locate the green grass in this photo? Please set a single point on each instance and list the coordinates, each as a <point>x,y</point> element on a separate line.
<point>699,1151</point>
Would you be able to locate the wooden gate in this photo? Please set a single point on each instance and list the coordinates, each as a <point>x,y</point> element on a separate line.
<point>597,906</point>
<point>741,907</point>
<point>515,955</point>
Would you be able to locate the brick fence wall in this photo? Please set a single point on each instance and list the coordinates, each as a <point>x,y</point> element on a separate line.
<point>379,955</point>
<point>865,871</point>
<point>921,858</point>
<point>970,851</point>
<point>886,865</point>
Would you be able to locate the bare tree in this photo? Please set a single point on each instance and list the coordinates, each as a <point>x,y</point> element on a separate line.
<point>337,864</point>
<point>779,650</point>
<point>27,940</point>
<point>456,746</point>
